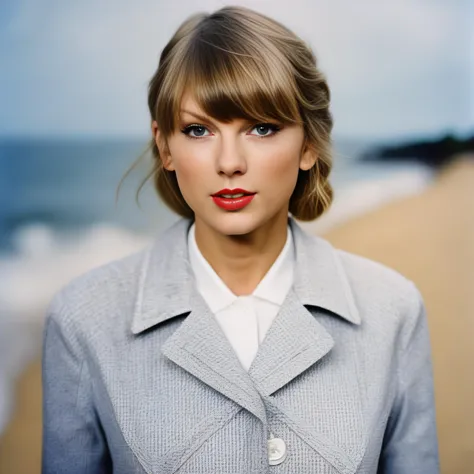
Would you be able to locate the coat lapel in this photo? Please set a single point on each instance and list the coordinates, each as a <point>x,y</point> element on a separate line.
<point>167,289</point>
<point>200,347</point>
<point>294,342</point>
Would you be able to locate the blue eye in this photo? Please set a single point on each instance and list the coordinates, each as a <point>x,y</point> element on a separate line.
<point>265,127</point>
<point>197,129</point>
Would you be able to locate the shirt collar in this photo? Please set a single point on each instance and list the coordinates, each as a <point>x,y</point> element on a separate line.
<point>272,288</point>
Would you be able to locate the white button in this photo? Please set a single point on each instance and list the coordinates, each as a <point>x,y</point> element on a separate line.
<point>276,451</point>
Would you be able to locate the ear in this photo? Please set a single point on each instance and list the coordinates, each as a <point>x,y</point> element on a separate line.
<point>165,155</point>
<point>308,157</point>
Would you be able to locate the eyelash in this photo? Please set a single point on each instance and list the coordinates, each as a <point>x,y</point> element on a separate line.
<point>271,126</point>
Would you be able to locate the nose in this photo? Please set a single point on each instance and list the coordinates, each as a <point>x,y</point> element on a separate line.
<point>230,156</point>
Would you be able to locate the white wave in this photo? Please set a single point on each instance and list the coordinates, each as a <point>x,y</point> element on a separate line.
<point>42,264</point>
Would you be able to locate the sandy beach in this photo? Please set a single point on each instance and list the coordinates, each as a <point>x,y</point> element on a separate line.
<point>430,239</point>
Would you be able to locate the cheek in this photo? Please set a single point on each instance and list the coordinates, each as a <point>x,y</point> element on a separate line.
<point>281,167</point>
<point>192,171</point>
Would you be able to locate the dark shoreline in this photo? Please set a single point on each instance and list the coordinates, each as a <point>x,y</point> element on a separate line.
<point>434,153</point>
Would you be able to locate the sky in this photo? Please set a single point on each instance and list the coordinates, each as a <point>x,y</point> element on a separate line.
<point>395,69</point>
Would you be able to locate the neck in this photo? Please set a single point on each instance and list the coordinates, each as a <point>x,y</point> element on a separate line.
<point>241,261</point>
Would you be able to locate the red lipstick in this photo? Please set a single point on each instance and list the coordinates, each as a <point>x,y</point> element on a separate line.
<point>233,199</point>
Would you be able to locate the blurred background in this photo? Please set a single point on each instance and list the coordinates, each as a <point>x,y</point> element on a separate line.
<point>73,118</point>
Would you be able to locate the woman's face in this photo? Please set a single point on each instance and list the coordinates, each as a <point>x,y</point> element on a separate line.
<point>210,156</point>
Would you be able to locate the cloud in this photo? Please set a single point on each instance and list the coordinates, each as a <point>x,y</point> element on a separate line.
<point>82,67</point>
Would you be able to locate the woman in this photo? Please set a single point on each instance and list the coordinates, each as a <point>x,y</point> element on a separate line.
<point>236,342</point>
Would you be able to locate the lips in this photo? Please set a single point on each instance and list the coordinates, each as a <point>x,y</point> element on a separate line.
<point>233,199</point>
<point>232,193</point>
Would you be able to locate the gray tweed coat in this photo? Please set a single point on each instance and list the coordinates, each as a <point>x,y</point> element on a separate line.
<point>139,378</point>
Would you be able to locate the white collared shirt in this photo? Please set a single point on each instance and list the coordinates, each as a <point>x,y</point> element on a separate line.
<point>244,319</point>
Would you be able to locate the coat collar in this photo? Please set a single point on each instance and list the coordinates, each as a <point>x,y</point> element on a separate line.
<point>166,283</point>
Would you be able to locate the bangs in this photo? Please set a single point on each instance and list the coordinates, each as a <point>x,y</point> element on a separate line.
<point>231,74</point>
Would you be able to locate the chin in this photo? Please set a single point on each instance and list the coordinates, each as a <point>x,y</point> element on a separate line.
<point>236,223</point>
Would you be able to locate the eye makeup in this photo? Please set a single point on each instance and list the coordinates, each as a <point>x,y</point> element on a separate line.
<point>195,127</point>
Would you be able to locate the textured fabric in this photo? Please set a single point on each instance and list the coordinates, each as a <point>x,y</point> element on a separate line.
<point>138,377</point>
<point>244,320</point>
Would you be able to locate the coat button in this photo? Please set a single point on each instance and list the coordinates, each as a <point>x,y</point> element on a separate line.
<point>276,451</point>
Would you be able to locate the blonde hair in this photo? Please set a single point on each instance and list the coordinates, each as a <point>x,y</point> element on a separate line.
<point>241,64</point>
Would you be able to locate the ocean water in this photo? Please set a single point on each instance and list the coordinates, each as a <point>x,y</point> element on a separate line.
<point>59,218</point>
<point>68,185</point>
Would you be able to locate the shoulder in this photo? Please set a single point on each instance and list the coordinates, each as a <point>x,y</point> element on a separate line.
<point>384,296</point>
<point>101,296</point>
<point>369,277</point>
